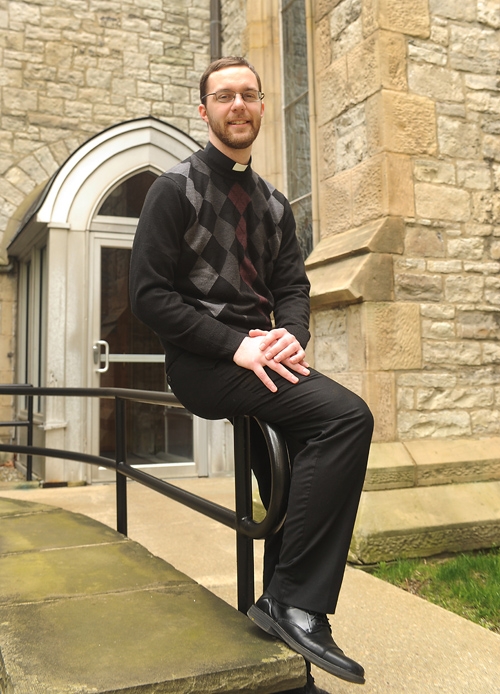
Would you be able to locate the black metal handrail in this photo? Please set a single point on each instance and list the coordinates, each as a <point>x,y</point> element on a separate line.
<point>241,520</point>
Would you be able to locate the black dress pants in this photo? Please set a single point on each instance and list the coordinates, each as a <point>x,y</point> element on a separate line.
<point>328,432</point>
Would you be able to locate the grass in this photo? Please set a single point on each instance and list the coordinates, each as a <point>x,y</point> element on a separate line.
<point>467,584</point>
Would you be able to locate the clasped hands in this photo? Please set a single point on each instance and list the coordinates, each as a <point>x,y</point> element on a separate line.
<point>277,349</point>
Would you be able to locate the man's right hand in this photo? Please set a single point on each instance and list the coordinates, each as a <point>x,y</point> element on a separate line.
<point>250,355</point>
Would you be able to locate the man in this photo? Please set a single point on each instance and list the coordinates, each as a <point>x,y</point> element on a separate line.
<point>216,272</point>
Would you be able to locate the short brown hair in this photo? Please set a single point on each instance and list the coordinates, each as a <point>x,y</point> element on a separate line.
<point>220,64</point>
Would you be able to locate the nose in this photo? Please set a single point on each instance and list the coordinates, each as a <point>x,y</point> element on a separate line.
<point>238,101</point>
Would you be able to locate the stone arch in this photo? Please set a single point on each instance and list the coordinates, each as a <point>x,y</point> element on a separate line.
<point>75,190</point>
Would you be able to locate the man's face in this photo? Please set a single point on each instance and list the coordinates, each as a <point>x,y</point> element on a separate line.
<point>232,126</point>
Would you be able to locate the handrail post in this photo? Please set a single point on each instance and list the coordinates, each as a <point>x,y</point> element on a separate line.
<point>121,459</point>
<point>243,497</point>
<point>29,457</point>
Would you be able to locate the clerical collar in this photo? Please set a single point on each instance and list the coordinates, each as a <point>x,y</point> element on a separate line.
<point>225,165</point>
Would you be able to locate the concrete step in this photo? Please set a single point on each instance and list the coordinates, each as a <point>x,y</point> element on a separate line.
<point>425,521</point>
<point>84,609</point>
<point>430,462</point>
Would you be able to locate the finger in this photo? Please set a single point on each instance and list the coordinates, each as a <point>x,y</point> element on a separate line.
<point>282,345</point>
<point>293,352</point>
<point>255,332</point>
<point>283,372</point>
<point>260,373</point>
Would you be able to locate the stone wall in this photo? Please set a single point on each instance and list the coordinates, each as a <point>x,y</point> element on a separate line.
<point>71,68</point>
<point>68,70</point>
<point>452,251</point>
<point>408,112</point>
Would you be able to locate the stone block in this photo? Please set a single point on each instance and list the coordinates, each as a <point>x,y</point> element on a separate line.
<point>453,354</point>
<point>19,100</point>
<point>409,17</point>
<point>438,311</point>
<point>425,521</point>
<point>348,39</point>
<point>322,7</point>
<point>488,13</point>
<point>464,289</point>
<point>421,242</point>
<point>380,393</point>
<point>441,424</point>
<point>336,204</point>
<point>392,336</point>
<point>485,422</point>
<point>460,398</point>
<point>428,52</point>
<point>401,122</point>
<point>434,171</point>
<point>322,44</point>
<point>380,236</point>
<point>363,70</point>
<point>473,49</point>
<point>466,248</point>
<point>446,267</point>
<point>436,82</point>
<point>333,91</point>
<point>350,138</point>
<point>411,286</point>
<point>327,155</point>
<point>491,147</point>
<point>487,268</point>
<point>330,340</point>
<point>458,138</point>
<point>366,277</point>
<point>382,185</point>
<point>491,353</point>
<point>474,174</point>
<point>392,61</point>
<point>464,11</point>
<point>478,325</point>
<point>438,202</point>
<point>439,330</point>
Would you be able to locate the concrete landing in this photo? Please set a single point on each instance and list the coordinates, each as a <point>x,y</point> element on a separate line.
<point>84,609</point>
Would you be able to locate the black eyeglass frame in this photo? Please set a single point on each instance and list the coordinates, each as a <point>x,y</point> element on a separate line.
<point>260,96</point>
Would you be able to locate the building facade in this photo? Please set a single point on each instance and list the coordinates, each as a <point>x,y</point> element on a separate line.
<point>382,126</point>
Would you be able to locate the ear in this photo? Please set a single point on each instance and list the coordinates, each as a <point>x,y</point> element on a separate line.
<point>203,112</point>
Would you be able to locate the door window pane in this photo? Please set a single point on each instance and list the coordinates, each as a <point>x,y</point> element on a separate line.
<point>155,434</point>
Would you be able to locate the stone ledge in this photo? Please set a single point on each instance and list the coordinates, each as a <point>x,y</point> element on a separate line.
<point>380,236</point>
<point>399,465</point>
<point>424,521</point>
<point>84,609</point>
<point>367,277</point>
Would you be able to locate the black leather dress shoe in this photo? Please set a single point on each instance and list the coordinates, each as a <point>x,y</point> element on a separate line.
<point>308,633</point>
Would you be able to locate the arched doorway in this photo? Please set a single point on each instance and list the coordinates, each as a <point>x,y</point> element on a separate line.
<point>82,227</point>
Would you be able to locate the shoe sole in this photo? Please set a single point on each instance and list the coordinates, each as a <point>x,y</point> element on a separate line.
<point>268,624</point>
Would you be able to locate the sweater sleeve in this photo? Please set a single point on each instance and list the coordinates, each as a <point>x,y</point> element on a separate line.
<point>166,215</point>
<point>289,284</point>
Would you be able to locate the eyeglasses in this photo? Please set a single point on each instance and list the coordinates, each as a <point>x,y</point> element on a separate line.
<point>227,96</point>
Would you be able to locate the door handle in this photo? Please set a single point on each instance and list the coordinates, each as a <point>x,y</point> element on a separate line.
<point>99,356</point>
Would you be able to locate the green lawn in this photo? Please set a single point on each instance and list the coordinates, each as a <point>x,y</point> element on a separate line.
<point>468,584</point>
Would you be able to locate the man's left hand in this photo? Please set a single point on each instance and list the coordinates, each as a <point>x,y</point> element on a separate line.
<point>282,347</point>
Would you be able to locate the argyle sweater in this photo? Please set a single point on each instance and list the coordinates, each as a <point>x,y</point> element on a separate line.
<point>215,255</point>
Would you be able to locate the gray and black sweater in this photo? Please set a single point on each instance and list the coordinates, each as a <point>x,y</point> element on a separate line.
<point>215,255</point>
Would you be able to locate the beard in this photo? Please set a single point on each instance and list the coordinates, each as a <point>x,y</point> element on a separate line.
<point>233,140</point>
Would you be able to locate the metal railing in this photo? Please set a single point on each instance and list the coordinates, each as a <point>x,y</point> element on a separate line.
<point>241,520</point>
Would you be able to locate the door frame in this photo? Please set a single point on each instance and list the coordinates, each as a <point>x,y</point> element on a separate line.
<point>118,232</point>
